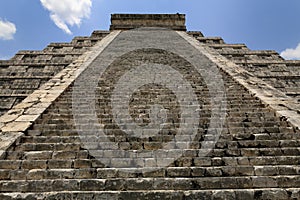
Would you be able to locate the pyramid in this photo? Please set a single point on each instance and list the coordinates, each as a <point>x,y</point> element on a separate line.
<point>149,110</point>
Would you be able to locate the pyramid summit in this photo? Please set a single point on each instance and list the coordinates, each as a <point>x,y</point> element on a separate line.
<point>149,110</point>
<point>131,21</point>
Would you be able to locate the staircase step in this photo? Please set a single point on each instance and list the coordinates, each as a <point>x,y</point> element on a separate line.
<point>245,194</point>
<point>128,184</point>
<point>170,172</point>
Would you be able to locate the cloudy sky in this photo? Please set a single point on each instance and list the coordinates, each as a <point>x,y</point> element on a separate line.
<point>260,24</point>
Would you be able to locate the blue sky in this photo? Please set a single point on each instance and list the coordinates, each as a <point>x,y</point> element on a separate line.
<point>260,24</point>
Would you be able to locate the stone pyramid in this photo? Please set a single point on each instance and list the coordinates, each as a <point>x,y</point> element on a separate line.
<point>148,110</point>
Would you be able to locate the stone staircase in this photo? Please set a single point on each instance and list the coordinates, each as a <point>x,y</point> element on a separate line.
<point>265,64</point>
<point>28,70</point>
<point>256,157</point>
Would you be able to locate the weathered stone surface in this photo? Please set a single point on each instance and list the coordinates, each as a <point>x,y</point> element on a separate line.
<point>230,195</point>
<point>7,139</point>
<point>34,164</point>
<point>16,126</point>
<point>255,157</point>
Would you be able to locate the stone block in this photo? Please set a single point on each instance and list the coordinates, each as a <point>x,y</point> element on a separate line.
<point>18,174</point>
<point>213,171</point>
<point>115,184</point>
<point>152,145</point>
<point>243,161</point>
<point>139,184</point>
<point>229,182</point>
<point>59,174</point>
<point>16,126</point>
<point>178,172</point>
<point>274,194</point>
<point>288,170</point>
<point>182,184</point>
<point>208,183</point>
<point>92,185</point>
<point>64,185</point>
<point>161,184</point>
<point>244,171</point>
<point>9,186</point>
<point>245,194</point>
<point>27,118</point>
<point>198,171</point>
<point>202,161</point>
<point>60,164</point>
<point>63,155</point>
<point>230,161</point>
<point>34,164</point>
<point>85,174</point>
<point>244,182</point>
<point>115,195</point>
<point>288,181</point>
<point>36,174</point>
<point>79,164</point>
<point>38,155</point>
<point>4,174</point>
<point>199,195</point>
<point>266,171</point>
<point>160,172</point>
<point>217,162</point>
<point>263,181</point>
<point>220,195</point>
<point>9,164</point>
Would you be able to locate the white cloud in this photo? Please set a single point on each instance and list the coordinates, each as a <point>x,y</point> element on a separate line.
<point>291,53</point>
<point>7,30</point>
<point>67,12</point>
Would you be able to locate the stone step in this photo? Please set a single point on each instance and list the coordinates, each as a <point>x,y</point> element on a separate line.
<point>235,133</point>
<point>48,147</point>
<point>245,194</point>
<point>234,120</point>
<point>228,46</point>
<point>99,33</point>
<point>263,142</point>
<point>36,53</point>
<point>234,116</point>
<point>264,146</point>
<point>84,160</point>
<point>288,151</point>
<point>56,132</point>
<point>155,172</point>
<point>247,52</point>
<point>258,137</point>
<point>136,184</point>
<point>210,40</point>
<point>65,44</point>
<point>75,143</point>
<point>13,63</point>
<point>195,33</point>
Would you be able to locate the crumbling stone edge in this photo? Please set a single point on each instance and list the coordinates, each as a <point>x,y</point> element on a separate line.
<point>15,122</point>
<point>285,107</point>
